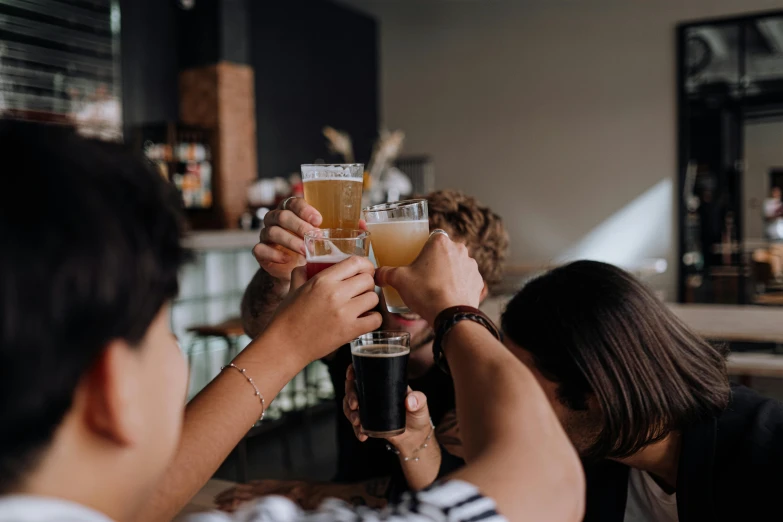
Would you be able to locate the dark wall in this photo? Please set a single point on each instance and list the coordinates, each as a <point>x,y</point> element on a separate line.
<point>316,64</point>
<point>213,31</point>
<point>148,48</point>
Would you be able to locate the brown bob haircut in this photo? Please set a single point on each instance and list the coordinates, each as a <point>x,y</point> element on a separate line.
<point>597,331</point>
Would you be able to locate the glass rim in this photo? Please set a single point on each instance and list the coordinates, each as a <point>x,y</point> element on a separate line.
<point>385,207</point>
<point>362,234</point>
<point>384,335</point>
<point>332,165</point>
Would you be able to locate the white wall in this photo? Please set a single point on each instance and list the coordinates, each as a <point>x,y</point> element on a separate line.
<point>558,114</point>
<point>763,150</point>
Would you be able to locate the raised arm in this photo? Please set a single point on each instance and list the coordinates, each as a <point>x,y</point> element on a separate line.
<point>516,450</point>
<point>260,301</point>
<point>326,312</point>
<point>279,251</point>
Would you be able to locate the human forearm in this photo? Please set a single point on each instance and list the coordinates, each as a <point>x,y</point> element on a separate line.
<point>219,416</point>
<point>217,419</point>
<point>442,456</point>
<point>420,464</point>
<point>261,299</point>
<point>516,450</point>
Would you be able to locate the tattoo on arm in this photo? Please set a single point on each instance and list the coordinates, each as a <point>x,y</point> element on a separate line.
<point>447,433</point>
<point>260,301</point>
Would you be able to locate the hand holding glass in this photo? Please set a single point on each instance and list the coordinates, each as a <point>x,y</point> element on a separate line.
<point>399,232</point>
<point>380,362</point>
<point>326,247</point>
<point>336,192</point>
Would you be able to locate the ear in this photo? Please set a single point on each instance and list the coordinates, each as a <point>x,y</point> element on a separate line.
<point>108,392</point>
<point>484,293</point>
<point>593,406</point>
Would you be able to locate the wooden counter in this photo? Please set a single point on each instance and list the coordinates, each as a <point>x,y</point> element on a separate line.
<point>751,324</point>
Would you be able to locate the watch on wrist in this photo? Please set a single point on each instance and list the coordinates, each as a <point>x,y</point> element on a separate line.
<point>448,319</point>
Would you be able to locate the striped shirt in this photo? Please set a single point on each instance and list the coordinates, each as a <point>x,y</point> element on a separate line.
<point>450,501</point>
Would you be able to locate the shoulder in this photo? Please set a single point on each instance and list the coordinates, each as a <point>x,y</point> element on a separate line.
<point>750,434</point>
<point>750,414</point>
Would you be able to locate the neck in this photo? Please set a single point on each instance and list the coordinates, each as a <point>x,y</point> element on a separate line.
<point>72,470</point>
<point>420,361</point>
<point>660,459</point>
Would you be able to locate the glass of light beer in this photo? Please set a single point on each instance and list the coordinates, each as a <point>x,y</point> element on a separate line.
<point>399,232</point>
<point>380,362</point>
<point>325,247</point>
<point>336,192</point>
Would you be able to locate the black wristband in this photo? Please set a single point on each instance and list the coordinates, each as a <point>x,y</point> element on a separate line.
<point>447,319</point>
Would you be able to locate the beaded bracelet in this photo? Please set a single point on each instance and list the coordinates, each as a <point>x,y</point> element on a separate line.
<point>413,457</point>
<point>250,380</point>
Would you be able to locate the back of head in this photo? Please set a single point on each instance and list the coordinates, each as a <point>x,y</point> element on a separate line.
<point>467,221</point>
<point>597,331</point>
<point>90,242</point>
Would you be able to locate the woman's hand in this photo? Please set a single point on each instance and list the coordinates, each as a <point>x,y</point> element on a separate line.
<point>333,307</point>
<point>417,419</point>
<point>420,464</point>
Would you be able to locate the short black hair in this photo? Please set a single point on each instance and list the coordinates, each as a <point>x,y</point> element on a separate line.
<point>596,330</point>
<point>89,252</point>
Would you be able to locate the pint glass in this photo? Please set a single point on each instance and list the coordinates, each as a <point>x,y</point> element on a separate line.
<point>336,192</point>
<point>380,361</point>
<point>399,232</point>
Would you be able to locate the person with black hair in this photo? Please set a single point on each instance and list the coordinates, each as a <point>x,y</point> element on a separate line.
<point>93,383</point>
<point>646,402</point>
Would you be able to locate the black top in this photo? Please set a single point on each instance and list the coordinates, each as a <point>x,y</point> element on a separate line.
<point>731,468</point>
<point>358,461</point>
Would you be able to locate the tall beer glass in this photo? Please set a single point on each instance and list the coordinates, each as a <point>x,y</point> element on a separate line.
<point>327,246</point>
<point>336,192</point>
<point>399,231</point>
<point>380,361</point>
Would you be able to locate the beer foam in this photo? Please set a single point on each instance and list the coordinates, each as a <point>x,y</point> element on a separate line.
<point>353,172</point>
<point>381,350</point>
<point>334,258</point>
<point>329,177</point>
<point>397,221</point>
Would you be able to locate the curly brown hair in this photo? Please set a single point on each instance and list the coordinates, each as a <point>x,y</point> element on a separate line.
<point>469,222</point>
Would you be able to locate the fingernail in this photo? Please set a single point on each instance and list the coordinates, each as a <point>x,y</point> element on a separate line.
<point>412,402</point>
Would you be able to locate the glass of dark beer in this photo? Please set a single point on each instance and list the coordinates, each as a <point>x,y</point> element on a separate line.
<point>380,361</point>
<point>327,246</point>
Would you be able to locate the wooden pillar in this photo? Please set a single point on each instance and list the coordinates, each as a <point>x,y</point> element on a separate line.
<point>222,97</point>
